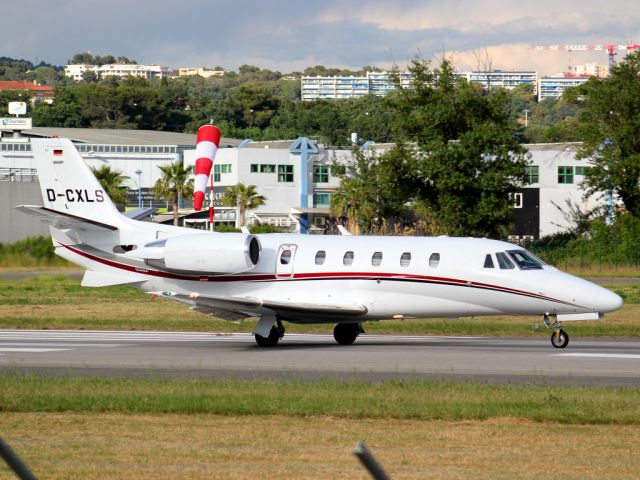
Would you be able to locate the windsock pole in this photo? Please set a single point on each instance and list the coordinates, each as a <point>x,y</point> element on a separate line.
<point>211,204</point>
<point>207,143</point>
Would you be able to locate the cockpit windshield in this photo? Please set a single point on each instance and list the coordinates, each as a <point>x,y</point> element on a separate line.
<point>525,260</point>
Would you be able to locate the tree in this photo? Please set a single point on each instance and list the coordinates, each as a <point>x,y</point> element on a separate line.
<point>463,160</point>
<point>245,197</point>
<point>609,125</point>
<point>113,183</point>
<point>173,184</point>
<point>357,197</point>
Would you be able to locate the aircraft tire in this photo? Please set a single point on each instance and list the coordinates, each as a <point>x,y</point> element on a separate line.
<point>270,341</point>
<point>559,339</point>
<point>346,333</point>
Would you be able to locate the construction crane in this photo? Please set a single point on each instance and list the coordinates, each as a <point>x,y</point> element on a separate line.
<point>611,49</point>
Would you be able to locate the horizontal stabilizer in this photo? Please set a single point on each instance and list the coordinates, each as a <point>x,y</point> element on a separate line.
<point>140,213</point>
<point>62,220</point>
<point>101,279</point>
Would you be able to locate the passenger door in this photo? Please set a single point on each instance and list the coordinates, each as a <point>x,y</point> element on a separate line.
<point>285,260</point>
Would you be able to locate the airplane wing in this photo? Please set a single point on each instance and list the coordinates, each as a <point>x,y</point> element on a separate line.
<point>236,308</point>
<point>62,220</point>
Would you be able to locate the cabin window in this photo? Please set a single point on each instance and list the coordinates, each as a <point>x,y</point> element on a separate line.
<point>525,260</point>
<point>285,257</point>
<point>376,259</point>
<point>348,258</point>
<point>434,260</point>
<point>504,262</point>
<point>320,256</point>
<point>488,261</point>
<point>405,259</point>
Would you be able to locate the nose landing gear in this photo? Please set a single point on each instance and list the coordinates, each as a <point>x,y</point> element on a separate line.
<point>559,338</point>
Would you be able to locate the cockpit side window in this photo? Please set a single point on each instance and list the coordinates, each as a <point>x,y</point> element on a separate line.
<point>488,261</point>
<point>525,260</point>
<point>504,262</point>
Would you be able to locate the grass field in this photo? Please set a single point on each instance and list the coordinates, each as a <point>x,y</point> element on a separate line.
<point>90,428</point>
<point>58,302</point>
<point>108,428</point>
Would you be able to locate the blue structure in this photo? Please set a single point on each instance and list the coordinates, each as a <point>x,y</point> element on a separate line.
<point>304,146</point>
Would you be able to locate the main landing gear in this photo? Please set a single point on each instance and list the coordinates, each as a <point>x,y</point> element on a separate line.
<point>559,338</point>
<point>276,333</point>
<point>346,333</point>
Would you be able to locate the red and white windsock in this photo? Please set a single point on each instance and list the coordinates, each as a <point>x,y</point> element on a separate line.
<point>206,147</point>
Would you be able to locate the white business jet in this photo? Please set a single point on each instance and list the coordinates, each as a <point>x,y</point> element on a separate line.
<point>345,280</point>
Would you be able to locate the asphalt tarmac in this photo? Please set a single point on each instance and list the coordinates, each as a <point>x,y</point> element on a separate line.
<point>375,358</point>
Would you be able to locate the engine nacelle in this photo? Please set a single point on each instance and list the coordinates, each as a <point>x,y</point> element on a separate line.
<point>222,253</point>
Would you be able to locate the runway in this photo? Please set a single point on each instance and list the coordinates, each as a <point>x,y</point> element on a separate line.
<point>374,358</point>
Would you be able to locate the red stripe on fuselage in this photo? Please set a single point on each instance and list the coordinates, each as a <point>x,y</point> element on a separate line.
<point>315,276</point>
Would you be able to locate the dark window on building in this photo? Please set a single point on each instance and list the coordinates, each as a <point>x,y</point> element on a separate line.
<point>254,168</point>
<point>320,173</point>
<point>565,175</point>
<point>533,174</point>
<point>582,170</point>
<point>285,173</point>
<point>267,168</point>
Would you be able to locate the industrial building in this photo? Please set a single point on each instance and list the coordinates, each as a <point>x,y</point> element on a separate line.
<point>295,177</point>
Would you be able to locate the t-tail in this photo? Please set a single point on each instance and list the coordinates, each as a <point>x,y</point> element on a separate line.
<point>78,210</point>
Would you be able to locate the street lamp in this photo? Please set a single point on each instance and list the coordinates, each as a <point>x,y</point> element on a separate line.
<point>138,172</point>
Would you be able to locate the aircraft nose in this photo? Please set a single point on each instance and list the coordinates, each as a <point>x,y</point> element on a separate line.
<point>605,300</point>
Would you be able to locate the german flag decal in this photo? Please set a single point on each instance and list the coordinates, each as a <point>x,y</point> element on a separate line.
<point>57,152</point>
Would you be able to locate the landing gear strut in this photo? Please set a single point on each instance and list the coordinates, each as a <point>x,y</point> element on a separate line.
<point>559,338</point>
<point>346,333</point>
<point>276,333</point>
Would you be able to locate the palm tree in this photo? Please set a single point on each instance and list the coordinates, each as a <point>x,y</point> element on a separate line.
<point>355,200</point>
<point>174,183</point>
<point>245,197</point>
<point>113,182</point>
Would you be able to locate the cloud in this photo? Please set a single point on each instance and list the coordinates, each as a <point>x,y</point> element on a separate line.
<point>289,35</point>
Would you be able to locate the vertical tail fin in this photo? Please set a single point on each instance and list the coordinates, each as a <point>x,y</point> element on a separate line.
<point>68,184</point>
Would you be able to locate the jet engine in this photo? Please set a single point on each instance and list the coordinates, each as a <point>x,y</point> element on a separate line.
<point>213,253</point>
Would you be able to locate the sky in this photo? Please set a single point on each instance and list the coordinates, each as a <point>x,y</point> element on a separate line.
<point>290,35</point>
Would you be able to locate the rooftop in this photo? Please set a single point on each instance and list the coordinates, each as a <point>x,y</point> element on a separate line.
<point>23,85</point>
<point>122,137</point>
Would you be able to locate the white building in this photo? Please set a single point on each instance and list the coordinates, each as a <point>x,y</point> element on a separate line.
<point>374,83</point>
<point>555,177</point>
<point>120,70</point>
<point>77,70</point>
<point>554,87</point>
<point>502,79</point>
<point>295,177</point>
<point>590,70</point>
<point>203,72</point>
